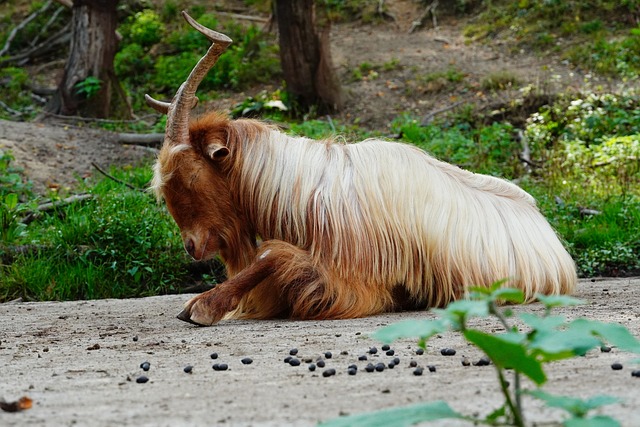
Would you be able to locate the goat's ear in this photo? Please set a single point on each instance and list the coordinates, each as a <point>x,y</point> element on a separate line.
<point>217,151</point>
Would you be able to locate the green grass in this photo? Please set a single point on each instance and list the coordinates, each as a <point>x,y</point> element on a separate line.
<point>121,243</point>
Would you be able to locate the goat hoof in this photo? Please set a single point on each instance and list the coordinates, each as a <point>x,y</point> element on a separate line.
<point>185,316</point>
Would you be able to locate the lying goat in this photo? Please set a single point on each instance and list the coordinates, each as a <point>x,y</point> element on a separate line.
<point>347,230</point>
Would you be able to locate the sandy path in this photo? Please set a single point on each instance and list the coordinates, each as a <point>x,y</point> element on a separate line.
<point>44,354</point>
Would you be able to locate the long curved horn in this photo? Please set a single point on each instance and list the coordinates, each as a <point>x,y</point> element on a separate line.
<point>185,99</point>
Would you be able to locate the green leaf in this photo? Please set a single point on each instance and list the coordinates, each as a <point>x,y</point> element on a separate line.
<point>397,417</point>
<point>597,421</point>
<point>458,311</point>
<point>424,329</point>
<point>546,323</point>
<point>11,201</point>
<point>509,295</point>
<point>577,407</point>
<point>505,353</point>
<point>551,301</point>
<point>613,333</point>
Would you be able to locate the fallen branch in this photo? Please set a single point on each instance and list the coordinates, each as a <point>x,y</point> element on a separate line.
<point>23,24</point>
<point>49,206</point>
<point>244,17</point>
<point>62,37</point>
<point>113,178</point>
<point>146,139</point>
<point>10,110</point>
<point>525,154</point>
<point>430,10</point>
<point>429,117</point>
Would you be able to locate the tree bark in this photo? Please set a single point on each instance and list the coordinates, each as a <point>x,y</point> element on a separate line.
<point>306,58</point>
<point>93,47</point>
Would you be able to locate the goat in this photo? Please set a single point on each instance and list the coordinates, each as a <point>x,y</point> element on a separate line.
<point>346,230</point>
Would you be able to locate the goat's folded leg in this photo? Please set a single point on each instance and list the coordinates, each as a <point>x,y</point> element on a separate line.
<point>276,262</point>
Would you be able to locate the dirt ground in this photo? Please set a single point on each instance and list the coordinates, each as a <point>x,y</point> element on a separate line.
<point>79,362</point>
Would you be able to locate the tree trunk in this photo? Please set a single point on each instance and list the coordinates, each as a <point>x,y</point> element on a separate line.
<point>93,47</point>
<point>306,58</point>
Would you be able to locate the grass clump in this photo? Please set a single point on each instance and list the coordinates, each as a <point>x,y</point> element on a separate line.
<point>119,243</point>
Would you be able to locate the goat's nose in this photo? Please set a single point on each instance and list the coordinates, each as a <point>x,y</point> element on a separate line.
<point>190,247</point>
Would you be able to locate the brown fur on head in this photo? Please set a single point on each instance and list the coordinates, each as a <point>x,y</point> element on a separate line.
<point>192,177</point>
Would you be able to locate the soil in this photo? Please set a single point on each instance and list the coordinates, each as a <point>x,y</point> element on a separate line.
<point>79,361</point>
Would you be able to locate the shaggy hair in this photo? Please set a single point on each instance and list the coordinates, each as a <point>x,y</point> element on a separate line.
<point>367,227</point>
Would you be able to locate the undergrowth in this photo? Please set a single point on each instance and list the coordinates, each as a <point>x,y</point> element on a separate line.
<point>117,243</point>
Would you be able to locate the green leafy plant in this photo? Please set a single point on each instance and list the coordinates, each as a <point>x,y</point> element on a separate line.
<point>89,87</point>
<point>11,228</point>
<point>549,338</point>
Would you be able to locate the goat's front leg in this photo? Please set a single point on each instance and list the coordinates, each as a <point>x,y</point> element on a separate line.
<point>211,306</point>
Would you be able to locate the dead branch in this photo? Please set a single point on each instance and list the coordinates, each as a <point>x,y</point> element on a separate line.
<point>429,117</point>
<point>10,110</point>
<point>67,3</point>
<point>429,11</point>
<point>49,206</point>
<point>525,154</point>
<point>145,139</point>
<point>62,37</point>
<point>244,17</point>
<point>23,24</point>
<point>113,178</point>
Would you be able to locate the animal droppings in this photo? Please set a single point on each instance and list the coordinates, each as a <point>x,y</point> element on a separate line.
<point>380,367</point>
<point>188,369</point>
<point>294,361</point>
<point>431,368</point>
<point>328,355</point>
<point>312,367</point>
<point>386,347</point>
<point>483,361</point>
<point>390,353</point>
<point>142,379</point>
<point>420,351</point>
<point>413,364</point>
<point>287,359</point>
<point>246,361</point>
<point>605,349</point>
<point>616,366</point>
<point>352,371</point>
<point>396,360</point>
<point>145,366</point>
<point>320,363</point>
<point>293,351</point>
<point>417,371</point>
<point>636,373</point>
<point>362,357</point>
<point>369,367</point>
<point>214,355</point>
<point>220,367</point>
<point>448,352</point>
<point>328,372</point>
<point>373,350</point>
